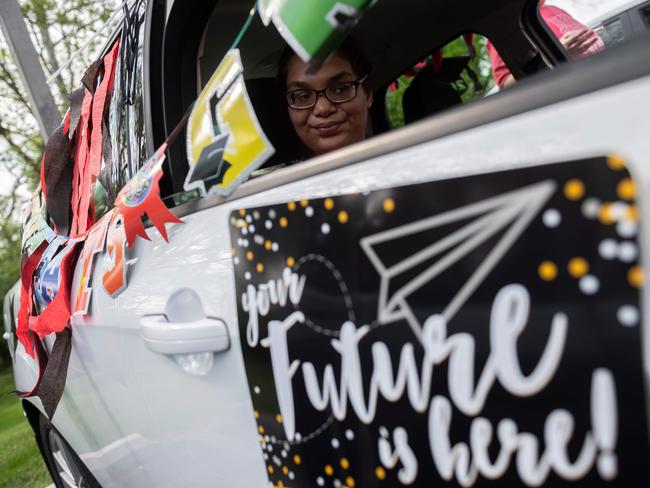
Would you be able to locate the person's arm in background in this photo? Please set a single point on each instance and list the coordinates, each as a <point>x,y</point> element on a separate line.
<point>500,71</point>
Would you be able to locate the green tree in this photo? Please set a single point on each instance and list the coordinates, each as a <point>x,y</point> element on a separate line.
<point>67,35</point>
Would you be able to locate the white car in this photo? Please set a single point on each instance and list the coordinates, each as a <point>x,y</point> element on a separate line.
<point>459,301</point>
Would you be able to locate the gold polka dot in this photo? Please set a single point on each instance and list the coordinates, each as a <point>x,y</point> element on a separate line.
<point>625,189</point>
<point>635,276</point>
<point>250,255</point>
<point>616,163</point>
<point>389,205</point>
<point>283,222</point>
<point>291,206</point>
<point>380,473</point>
<point>578,267</point>
<point>259,267</point>
<point>285,470</point>
<point>242,212</point>
<point>547,271</point>
<point>574,189</point>
<point>269,468</point>
<point>329,470</point>
<point>290,262</point>
<point>345,464</point>
<point>280,484</point>
<point>256,414</point>
<point>241,223</point>
<point>278,418</point>
<point>297,459</point>
<point>350,482</point>
<point>304,203</point>
<point>329,204</point>
<point>632,213</point>
<point>343,216</point>
<point>260,429</point>
<point>605,214</point>
<point>268,245</point>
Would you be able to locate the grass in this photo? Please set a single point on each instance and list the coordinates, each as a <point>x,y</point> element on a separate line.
<point>21,464</point>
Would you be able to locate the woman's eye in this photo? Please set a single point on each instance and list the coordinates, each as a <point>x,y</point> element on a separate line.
<point>304,95</point>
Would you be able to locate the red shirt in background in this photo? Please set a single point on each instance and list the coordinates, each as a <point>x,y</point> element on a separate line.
<point>560,22</point>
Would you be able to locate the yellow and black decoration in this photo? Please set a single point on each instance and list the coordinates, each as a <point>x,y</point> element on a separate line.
<point>225,142</point>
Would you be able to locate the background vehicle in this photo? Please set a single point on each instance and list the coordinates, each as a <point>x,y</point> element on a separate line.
<point>138,414</point>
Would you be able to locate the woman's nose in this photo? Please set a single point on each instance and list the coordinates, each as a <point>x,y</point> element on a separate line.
<point>323,105</point>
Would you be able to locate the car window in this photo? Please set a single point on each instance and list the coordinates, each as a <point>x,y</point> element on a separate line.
<point>128,150</point>
<point>460,71</point>
<point>582,29</point>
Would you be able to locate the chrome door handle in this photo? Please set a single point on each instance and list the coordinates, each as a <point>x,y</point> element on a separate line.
<point>204,335</point>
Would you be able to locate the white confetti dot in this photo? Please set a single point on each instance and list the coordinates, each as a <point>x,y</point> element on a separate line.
<point>298,436</point>
<point>266,457</point>
<point>590,208</point>
<point>257,390</point>
<point>249,219</point>
<point>283,453</point>
<point>320,481</point>
<point>256,215</point>
<point>337,483</point>
<point>275,247</point>
<point>251,229</point>
<point>325,228</point>
<point>628,315</point>
<point>291,475</point>
<point>589,284</point>
<point>245,242</point>
<point>552,218</point>
<point>268,224</point>
<point>247,275</point>
<point>309,212</point>
<point>244,231</point>
<point>236,260</point>
<point>258,240</point>
<point>267,438</point>
<point>335,443</point>
<point>272,214</point>
<point>277,461</point>
<point>608,249</point>
<point>233,220</point>
<point>627,252</point>
<point>239,241</point>
<point>349,435</point>
<point>269,447</point>
<point>627,229</point>
<point>273,439</point>
<point>618,210</point>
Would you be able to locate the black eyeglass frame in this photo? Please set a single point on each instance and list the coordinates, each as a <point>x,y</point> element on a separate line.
<point>354,83</point>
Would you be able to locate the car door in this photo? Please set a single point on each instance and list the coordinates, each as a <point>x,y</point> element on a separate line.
<point>525,210</point>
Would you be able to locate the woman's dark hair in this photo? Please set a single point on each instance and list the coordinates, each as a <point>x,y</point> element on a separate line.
<point>350,50</point>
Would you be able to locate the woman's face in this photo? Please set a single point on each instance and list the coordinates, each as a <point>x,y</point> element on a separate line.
<point>328,126</point>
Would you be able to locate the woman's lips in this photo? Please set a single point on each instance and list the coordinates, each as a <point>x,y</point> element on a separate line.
<point>327,129</point>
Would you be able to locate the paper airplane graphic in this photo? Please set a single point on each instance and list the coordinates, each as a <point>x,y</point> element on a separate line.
<point>509,212</point>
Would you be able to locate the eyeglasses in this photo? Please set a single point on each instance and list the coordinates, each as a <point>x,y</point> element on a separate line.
<point>340,92</point>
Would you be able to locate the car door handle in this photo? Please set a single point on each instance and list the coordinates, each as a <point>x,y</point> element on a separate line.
<point>204,335</point>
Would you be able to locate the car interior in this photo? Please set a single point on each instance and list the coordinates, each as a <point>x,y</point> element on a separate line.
<point>422,53</point>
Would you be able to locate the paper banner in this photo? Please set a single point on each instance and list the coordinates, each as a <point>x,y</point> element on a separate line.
<point>313,28</point>
<point>140,197</point>
<point>35,228</point>
<point>225,141</point>
<point>94,244</point>
<point>114,278</point>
